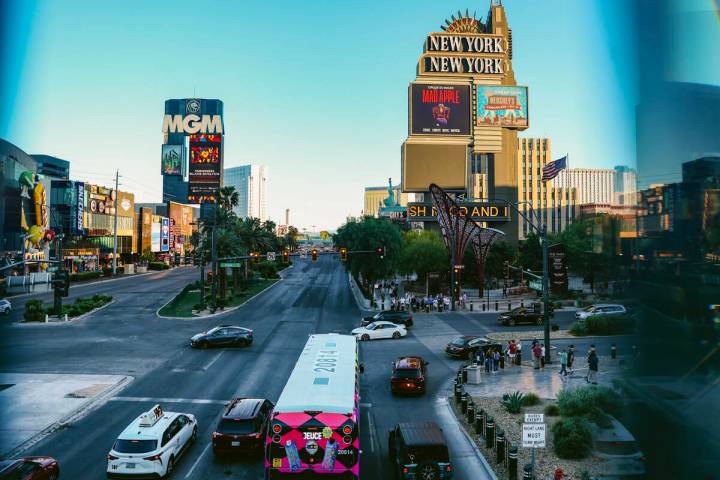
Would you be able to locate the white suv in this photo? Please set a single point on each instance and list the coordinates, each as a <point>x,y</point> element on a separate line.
<point>151,444</point>
<point>600,310</point>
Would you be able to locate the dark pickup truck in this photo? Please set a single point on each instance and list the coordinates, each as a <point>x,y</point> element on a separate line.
<point>393,316</point>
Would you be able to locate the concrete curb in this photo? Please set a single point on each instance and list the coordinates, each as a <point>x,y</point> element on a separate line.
<point>217,314</point>
<point>69,322</point>
<point>71,417</point>
<point>360,300</point>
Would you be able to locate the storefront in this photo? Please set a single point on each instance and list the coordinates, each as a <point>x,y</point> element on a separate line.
<point>78,260</point>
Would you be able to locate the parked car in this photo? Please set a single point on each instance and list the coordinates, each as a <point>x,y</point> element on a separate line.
<point>223,336</point>
<point>521,315</point>
<point>409,375</point>
<point>5,306</point>
<point>418,450</point>
<point>467,345</point>
<point>30,468</point>
<point>151,444</point>
<point>603,309</point>
<point>378,330</point>
<point>618,452</point>
<point>393,316</point>
<point>242,427</point>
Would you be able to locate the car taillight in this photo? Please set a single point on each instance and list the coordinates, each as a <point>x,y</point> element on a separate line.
<point>257,435</point>
<point>448,468</point>
<point>153,458</point>
<point>347,429</point>
<point>276,428</point>
<point>406,470</point>
<point>112,457</point>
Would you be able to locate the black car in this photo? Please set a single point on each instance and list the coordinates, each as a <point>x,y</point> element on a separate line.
<point>520,315</point>
<point>467,345</point>
<point>393,316</point>
<point>418,450</point>
<point>223,336</point>
<point>242,427</point>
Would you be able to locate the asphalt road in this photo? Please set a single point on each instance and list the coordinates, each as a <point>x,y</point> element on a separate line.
<point>127,338</point>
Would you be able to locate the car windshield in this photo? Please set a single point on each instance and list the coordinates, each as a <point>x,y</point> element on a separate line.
<point>377,316</point>
<point>428,453</point>
<point>459,342</point>
<point>371,326</point>
<point>212,330</point>
<point>588,309</point>
<point>405,373</point>
<point>134,446</point>
<point>617,448</point>
<point>230,426</point>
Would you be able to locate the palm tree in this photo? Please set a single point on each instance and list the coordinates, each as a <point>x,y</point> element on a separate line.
<point>227,197</point>
<point>291,238</point>
<point>269,225</point>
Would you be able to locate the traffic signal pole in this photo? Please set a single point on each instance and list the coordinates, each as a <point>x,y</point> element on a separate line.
<point>546,296</point>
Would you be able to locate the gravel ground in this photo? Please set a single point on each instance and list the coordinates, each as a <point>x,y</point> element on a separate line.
<point>545,459</point>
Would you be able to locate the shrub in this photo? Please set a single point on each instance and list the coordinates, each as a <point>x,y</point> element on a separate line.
<point>267,269</point>
<point>107,271</point>
<point>199,306</point>
<point>552,410</point>
<point>554,327</point>
<point>589,401</point>
<point>610,325</point>
<point>34,311</point>
<point>158,266</point>
<point>75,277</point>
<point>579,328</point>
<point>572,437</point>
<point>530,399</point>
<point>513,402</point>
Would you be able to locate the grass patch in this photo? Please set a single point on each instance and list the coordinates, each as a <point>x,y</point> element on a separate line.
<point>184,302</point>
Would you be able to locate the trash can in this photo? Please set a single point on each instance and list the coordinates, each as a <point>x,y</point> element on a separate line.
<point>473,375</point>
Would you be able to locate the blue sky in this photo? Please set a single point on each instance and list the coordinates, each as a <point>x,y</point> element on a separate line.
<point>316,90</point>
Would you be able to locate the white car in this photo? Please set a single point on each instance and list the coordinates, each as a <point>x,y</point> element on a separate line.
<point>380,330</point>
<point>151,444</point>
<point>5,306</point>
<point>600,310</point>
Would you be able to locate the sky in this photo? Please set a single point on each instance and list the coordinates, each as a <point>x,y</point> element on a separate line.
<point>316,90</point>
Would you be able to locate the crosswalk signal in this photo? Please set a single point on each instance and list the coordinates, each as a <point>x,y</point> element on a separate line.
<point>314,254</point>
<point>286,256</point>
<point>380,251</point>
<point>343,254</point>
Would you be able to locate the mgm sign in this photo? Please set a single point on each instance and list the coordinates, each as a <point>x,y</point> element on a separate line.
<point>476,211</point>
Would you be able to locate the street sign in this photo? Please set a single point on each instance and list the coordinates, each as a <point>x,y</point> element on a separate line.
<point>52,269</point>
<point>271,256</point>
<point>534,418</point>
<point>533,435</point>
<point>535,285</point>
<point>230,264</point>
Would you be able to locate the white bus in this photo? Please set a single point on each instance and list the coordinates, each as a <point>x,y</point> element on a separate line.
<point>314,428</point>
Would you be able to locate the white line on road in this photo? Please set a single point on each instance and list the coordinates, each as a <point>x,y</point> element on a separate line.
<point>365,405</point>
<point>192,469</point>
<point>211,362</point>
<point>202,401</point>
<point>371,425</point>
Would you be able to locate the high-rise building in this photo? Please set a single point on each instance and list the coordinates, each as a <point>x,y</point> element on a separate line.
<point>52,167</point>
<point>555,204</point>
<point>625,186</point>
<point>592,185</point>
<point>250,182</point>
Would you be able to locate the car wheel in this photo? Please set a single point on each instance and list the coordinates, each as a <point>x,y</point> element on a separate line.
<point>396,335</point>
<point>427,471</point>
<point>242,342</point>
<point>203,345</point>
<point>365,337</point>
<point>170,467</point>
<point>52,476</point>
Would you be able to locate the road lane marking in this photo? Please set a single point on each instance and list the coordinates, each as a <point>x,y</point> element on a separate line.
<point>192,469</point>
<point>373,432</point>
<point>201,401</point>
<point>365,405</point>
<point>211,362</point>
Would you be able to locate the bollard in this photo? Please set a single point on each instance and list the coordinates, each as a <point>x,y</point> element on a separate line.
<point>518,357</point>
<point>508,306</point>
<point>528,472</point>
<point>479,421</point>
<point>464,375</point>
<point>483,306</point>
<point>457,389</point>
<point>463,401</point>
<point>512,464</point>
<point>502,361</point>
<point>613,352</point>
<point>522,304</point>
<point>471,306</point>
<point>500,442</point>
<point>496,306</point>
<point>470,412</point>
<point>490,433</point>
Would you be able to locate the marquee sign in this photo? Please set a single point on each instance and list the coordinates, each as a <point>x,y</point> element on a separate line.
<point>477,211</point>
<point>479,54</point>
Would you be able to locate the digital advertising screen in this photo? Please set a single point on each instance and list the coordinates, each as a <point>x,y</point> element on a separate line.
<point>165,235</point>
<point>205,172</point>
<point>502,106</point>
<point>155,237</point>
<point>438,109</point>
<point>172,158</point>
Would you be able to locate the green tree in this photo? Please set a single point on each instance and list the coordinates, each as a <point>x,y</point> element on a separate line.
<point>228,197</point>
<point>500,252</point>
<point>422,253</point>
<point>530,253</point>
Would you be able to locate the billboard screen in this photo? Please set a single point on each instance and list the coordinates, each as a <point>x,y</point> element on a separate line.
<point>502,106</point>
<point>205,172</point>
<point>172,158</point>
<point>155,236</point>
<point>438,109</point>
<point>79,223</point>
<point>165,235</point>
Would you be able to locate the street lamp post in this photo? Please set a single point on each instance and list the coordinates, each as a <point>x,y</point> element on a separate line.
<point>546,296</point>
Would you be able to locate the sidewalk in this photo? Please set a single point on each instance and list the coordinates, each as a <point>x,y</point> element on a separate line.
<point>36,404</point>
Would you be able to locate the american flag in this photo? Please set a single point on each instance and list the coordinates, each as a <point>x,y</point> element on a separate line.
<point>552,169</point>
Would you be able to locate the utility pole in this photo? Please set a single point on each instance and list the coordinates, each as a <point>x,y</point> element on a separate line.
<point>213,286</point>
<point>57,303</point>
<point>117,174</point>
<point>546,296</point>
<point>452,277</point>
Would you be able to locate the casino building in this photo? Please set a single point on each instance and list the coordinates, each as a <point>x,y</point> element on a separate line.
<point>465,111</point>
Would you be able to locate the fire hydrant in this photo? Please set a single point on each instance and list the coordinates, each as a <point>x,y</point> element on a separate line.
<point>559,474</point>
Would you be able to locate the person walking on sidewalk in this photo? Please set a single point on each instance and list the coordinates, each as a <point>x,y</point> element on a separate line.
<point>542,357</point>
<point>563,363</point>
<point>571,359</point>
<point>488,362</point>
<point>593,362</point>
<point>519,352</point>
<point>496,360</point>
<point>512,352</point>
<point>536,352</point>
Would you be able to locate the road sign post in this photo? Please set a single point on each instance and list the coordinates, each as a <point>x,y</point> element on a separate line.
<point>533,433</point>
<point>270,256</point>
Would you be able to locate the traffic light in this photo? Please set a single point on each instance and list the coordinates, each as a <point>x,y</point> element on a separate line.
<point>380,251</point>
<point>62,283</point>
<point>343,254</point>
<point>286,256</point>
<point>314,254</point>
<point>458,268</point>
<point>255,257</point>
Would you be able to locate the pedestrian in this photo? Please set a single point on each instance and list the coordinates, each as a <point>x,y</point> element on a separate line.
<point>435,304</point>
<point>446,302</point>
<point>402,304</point>
<point>593,362</point>
<point>571,359</point>
<point>496,360</point>
<point>488,362</point>
<point>512,352</point>
<point>519,352</point>
<point>536,352</point>
<point>563,362</point>
<point>542,357</point>
<point>480,357</point>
